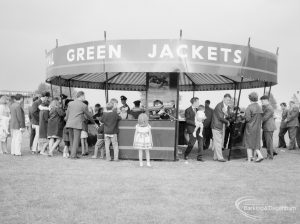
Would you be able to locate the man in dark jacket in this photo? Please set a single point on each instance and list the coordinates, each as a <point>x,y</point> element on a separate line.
<point>218,126</point>
<point>207,133</point>
<point>190,127</point>
<point>268,125</point>
<point>283,127</point>
<point>17,125</point>
<point>292,124</point>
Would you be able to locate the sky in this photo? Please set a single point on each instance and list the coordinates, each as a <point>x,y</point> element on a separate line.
<point>28,28</point>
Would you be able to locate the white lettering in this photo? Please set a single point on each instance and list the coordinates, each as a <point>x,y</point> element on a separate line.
<point>112,50</point>
<point>226,51</point>
<point>80,54</point>
<point>211,53</point>
<point>237,54</point>
<point>196,53</point>
<point>100,51</point>
<point>154,47</point>
<point>166,52</point>
<point>70,55</point>
<point>90,53</point>
<point>181,53</point>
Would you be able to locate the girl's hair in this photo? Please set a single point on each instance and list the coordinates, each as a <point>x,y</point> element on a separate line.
<point>143,120</point>
<point>3,100</point>
<point>54,103</point>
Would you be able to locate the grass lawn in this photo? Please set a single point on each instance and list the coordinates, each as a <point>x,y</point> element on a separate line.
<point>38,189</point>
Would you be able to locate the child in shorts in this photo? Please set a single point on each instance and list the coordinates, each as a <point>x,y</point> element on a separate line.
<point>100,143</point>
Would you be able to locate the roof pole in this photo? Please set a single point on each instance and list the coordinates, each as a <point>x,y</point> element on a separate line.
<point>70,92</point>
<point>235,86</point>
<point>51,89</point>
<point>60,90</point>
<point>240,91</point>
<point>106,87</point>
<point>147,89</point>
<point>193,90</point>
<point>265,88</point>
<point>106,75</point>
<point>236,112</point>
<point>270,90</point>
<point>176,121</point>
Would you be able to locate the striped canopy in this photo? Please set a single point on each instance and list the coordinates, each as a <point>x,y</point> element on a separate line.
<point>123,65</point>
<point>136,81</point>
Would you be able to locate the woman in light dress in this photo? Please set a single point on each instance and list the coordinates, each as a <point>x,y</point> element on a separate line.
<point>4,123</point>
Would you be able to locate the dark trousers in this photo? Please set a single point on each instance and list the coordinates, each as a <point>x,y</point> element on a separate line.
<point>31,137</point>
<point>298,136</point>
<point>228,137</point>
<point>207,136</point>
<point>292,136</point>
<point>282,132</point>
<point>191,144</point>
<point>268,136</point>
<point>264,145</point>
<point>74,140</point>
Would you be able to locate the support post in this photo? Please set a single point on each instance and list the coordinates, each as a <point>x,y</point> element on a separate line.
<point>240,91</point>
<point>60,90</point>
<point>51,89</point>
<point>106,75</point>
<point>106,87</point>
<point>235,85</point>
<point>238,104</point>
<point>70,91</point>
<point>270,90</point>
<point>147,89</point>
<point>193,89</point>
<point>265,88</point>
<point>177,121</point>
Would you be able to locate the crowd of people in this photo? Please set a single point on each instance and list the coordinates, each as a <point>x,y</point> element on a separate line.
<point>228,125</point>
<point>60,119</point>
<point>56,120</point>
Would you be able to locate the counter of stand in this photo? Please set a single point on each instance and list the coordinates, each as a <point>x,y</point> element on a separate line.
<point>163,135</point>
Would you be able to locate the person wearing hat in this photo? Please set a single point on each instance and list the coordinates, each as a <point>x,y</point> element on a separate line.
<point>268,125</point>
<point>252,133</point>
<point>136,110</point>
<point>292,124</point>
<point>124,109</point>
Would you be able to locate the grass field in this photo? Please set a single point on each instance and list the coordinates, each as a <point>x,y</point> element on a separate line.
<point>38,189</point>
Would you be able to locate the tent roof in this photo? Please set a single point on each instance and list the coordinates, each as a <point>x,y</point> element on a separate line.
<point>124,64</point>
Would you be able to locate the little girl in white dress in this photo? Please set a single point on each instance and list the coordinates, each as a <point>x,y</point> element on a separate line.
<point>143,138</point>
<point>199,118</point>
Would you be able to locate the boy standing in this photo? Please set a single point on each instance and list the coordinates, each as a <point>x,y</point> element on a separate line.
<point>110,119</point>
<point>100,143</point>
